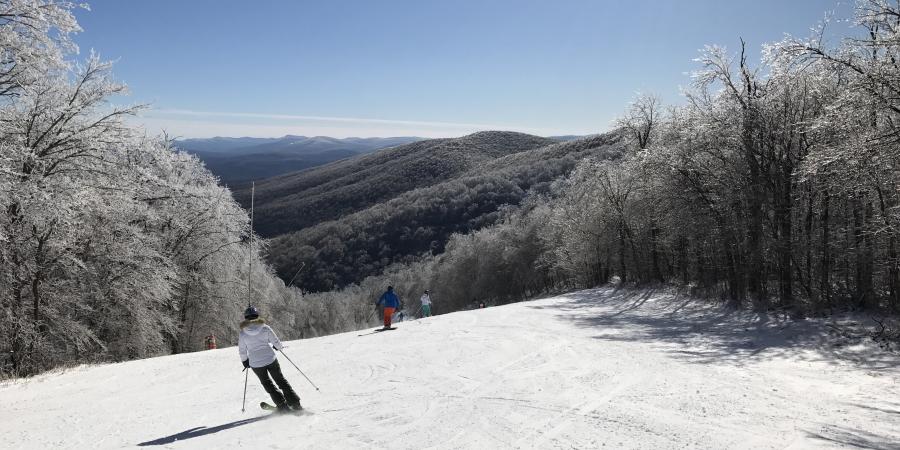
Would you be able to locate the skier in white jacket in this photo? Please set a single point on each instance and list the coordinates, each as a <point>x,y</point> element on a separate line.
<point>255,348</point>
<point>426,304</point>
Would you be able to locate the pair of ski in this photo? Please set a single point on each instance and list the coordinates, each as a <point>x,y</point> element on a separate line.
<point>377,330</point>
<point>270,407</point>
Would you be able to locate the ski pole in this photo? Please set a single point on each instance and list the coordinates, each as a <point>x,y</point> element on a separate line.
<point>244,404</point>
<point>298,370</point>
<point>374,314</point>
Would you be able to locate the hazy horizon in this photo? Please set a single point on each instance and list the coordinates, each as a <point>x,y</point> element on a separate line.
<point>182,138</point>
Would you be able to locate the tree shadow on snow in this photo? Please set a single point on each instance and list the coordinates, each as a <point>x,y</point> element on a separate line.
<point>884,410</point>
<point>704,332</point>
<point>201,431</point>
<point>854,438</point>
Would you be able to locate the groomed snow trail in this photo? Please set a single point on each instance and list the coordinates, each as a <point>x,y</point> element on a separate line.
<point>602,368</point>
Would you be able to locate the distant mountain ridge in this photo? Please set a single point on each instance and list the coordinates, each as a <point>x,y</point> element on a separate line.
<point>288,144</point>
<point>219,144</point>
<point>237,161</point>
<point>569,137</point>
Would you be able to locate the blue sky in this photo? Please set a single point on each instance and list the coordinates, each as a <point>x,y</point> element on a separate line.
<point>426,68</point>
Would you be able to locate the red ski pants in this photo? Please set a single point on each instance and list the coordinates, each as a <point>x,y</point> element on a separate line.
<point>388,312</point>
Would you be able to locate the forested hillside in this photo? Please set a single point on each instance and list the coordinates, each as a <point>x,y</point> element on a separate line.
<point>295,201</point>
<point>335,253</point>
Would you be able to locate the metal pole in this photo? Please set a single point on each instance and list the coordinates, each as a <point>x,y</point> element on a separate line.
<point>246,375</point>
<point>249,278</point>
<point>298,369</point>
<point>250,271</point>
<point>298,270</point>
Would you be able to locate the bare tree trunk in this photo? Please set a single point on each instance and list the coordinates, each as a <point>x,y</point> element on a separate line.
<point>808,258</point>
<point>825,269</point>
<point>863,278</point>
<point>636,262</point>
<point>869,255</point>
<point>785,244</point>
<point>654,253</point>
<point>754,231</point>
<point>683,266</point>
<point>622,266</point>
<point>893,275</point>
<point>598,271</point>
<point>36,297</point>
<point>735,287</point>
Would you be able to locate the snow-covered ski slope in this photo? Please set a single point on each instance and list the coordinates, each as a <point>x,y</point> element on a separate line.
<point>593,369</point>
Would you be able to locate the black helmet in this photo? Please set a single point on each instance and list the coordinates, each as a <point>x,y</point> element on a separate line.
<point>426,291</point>
<point>390,288</point>
<point>251,313</point>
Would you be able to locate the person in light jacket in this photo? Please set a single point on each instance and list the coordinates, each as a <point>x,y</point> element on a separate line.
<point>426,304</point>
<point>255,348</point>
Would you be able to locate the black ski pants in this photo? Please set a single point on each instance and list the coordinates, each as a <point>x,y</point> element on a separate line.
<point>286,395</point>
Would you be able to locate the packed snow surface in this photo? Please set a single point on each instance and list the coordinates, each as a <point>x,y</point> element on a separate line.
<point>593,369</point>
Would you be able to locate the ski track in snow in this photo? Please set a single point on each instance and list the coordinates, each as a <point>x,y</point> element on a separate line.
<point>601,368</point>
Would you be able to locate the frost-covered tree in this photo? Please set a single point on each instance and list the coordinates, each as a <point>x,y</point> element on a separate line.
<point>861,159</point>
<point>776,183</point>
<point>34,41</point>
<point>112,244</point>
<point>641,120</point>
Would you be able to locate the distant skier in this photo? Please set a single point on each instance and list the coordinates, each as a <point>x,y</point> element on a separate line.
<point>426,304</point>
<point>211,342</point>
<point>390,302</point>
<point>255,347</point>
